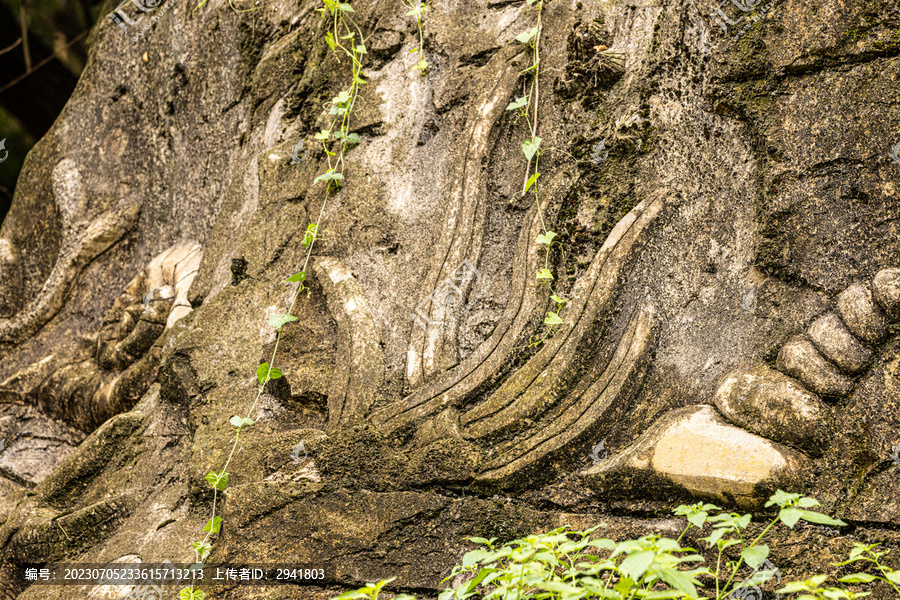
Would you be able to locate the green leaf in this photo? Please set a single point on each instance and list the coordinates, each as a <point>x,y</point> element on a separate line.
<point>361,49</point>
<point>530,182</point>
<point>858,578</point>
<point>344,7</point>
<point>713,538</point>
<point>678,580</point>
<point>790,516</point>
<point>481,540</point>
<point>544,274</point>
<point>218,481</point>
<point>189,594</point>
<point>526,36</point>
<point>815,517</point>
<point>546,238</point>
<point>295,277</point>
<point>530,147</point>
<point>277,321</point>
<point>329,39</point>
<point>893,576</point>
<point>557,299</point>
<point>213,525</point>
<point>241,421</point>
<point>275,373</point>
<point>262,373</point>
<point>755,555</point>
<point>782,499</point>
<point>567,590</point>
<point>697,519</point>
<point>201,549</point>
<point>636,564</point>
<point>328,175</point>
<point>323,136</point>
<point>552,319</point>
<point>519,103</point>
<point>624,586</point>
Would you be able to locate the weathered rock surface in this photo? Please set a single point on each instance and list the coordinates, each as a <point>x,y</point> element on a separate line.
<point>696,450</point>
<point>886,289</point>
<point>767,402</point>
<point>800,359</point>
<point>861,314</point>
<point>832,338</point>
<point>701,222</point>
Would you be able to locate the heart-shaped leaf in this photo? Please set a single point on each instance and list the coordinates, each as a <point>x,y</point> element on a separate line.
<point>526,36</point>
<point>530,147</point>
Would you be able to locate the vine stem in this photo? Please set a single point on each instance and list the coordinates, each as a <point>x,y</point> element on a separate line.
<point>338,163</point>
<point>536,92</point>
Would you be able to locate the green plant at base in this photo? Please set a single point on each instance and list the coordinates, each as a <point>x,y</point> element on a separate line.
<point>728,528</point>
<point>811,588</point>
<point>342,39</point>
<point>569,565</point>
<point>370,592</point>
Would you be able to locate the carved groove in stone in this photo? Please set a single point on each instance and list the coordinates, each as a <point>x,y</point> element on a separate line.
<point>463,227</point>
<point>592,400</point>
<point>532,386</point>
<point>592,293</point>
<point>359,364</point>
<point>83,241</point>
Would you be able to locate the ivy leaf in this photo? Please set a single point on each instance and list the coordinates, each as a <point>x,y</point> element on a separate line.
<point>213,525</point>
<point>530,182</point>
<point>544,274</point>
<point>323,136</point>
<point>344,7</point>
<point>262,373</point>
<point>328,175</point>
<point>526,36</point>
<point>218,481</point>
<point>546,238</point>
<point>277,321</point>
<point>519,103</point>
<point>329,39</point>
<point>361,49</point>
<point>241,421</point>
<point>296,277</point>
<point>530,147</point>
<point>275,373</point>
<point>201,549</point>
<point>557,299</point>
<point>552,319</point>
